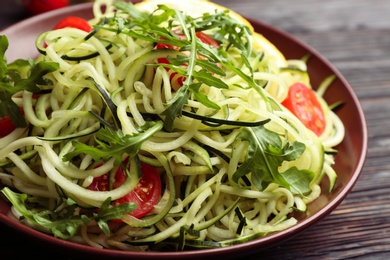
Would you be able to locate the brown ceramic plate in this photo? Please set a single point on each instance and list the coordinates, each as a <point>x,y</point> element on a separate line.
<point>349,161</point>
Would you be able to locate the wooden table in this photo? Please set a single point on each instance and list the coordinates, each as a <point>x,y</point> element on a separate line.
<point>355,37</point>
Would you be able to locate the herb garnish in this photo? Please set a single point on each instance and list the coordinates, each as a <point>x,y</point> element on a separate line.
<point>207,70</point>
<point>66,227</point>
<point>14,78</point>
<point>266,153</point>
<point>113,144</point>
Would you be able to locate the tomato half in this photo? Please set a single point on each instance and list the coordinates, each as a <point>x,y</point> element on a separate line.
<point>146,194</point>
<point>74,22</point>
<point>304,104</point>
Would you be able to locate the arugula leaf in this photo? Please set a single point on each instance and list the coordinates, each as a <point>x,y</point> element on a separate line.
<point>212,68</point>
<point>3,60</point>
<point>194,88</point>
<point>175,108</point>
<point>114,144</point>
<point>265,154</point>
<point>208,79</point>
<point>108,212</point>
<point>68,220</point>
<point>223,27</point>
<point>17,76</point>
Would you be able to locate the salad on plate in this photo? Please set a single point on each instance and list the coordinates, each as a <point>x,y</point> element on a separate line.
<point>162,125</point>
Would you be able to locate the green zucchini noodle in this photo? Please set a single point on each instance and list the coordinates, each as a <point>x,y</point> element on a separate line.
<point>212,162</point>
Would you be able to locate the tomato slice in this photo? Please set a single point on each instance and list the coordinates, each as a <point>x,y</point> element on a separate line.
<point>146,194</point>
<point>304,104</point>
<point>74,22</point>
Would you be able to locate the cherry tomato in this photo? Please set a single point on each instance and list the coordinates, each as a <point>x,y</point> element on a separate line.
<point>6,126</point>
<point>304,104</point>
<point>42,6</point>
<point>100,183</point>
<point>74,22</point>
<point>207,39</point>
<point>146,194</point>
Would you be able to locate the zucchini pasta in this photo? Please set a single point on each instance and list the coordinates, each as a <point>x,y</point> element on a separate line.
<point>160,130</point>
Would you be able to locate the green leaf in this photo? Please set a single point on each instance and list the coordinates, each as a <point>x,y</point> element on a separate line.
<point>66,222</point>
<point>175,108</point>
<point>211,67</point>
<point>64,229</point>
<point>3,60</point>
<point>207,78</point>
<point>206,101</point>
<point>107,212</point>
<point>266,153</point>
<point>9,108</point>
<point>201,97</point>
<point>299,180</point>
<point>114,144</point>
<point>17,76</point>
<point>35,77</point>
<point>178,60</point>
<point>224,28</point>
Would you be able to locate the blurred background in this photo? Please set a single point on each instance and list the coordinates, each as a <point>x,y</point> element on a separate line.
<point>12,11</point>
